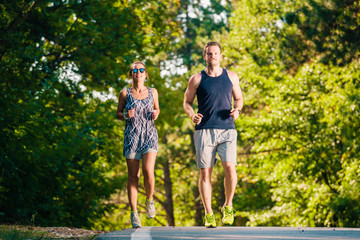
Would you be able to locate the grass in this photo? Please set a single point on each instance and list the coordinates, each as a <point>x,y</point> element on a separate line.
<point>17,232</point>
<point>13,233</point>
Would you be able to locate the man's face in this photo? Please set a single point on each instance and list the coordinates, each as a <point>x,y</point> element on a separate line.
<point>213,55</point>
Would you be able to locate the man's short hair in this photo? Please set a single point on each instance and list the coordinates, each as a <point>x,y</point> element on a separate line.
<point>209,44</point>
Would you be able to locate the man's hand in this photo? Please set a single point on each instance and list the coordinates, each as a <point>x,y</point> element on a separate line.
<point>234,113</point>
<point>196,118</point>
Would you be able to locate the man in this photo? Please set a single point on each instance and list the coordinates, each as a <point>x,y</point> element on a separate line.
<point>215,128</point>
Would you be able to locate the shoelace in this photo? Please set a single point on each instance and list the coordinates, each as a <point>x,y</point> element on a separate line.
<point>210,218</point>
<point>229,211</point>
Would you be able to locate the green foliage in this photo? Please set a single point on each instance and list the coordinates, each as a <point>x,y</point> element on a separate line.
<point>311,140</point>
<point>299,135</point>
<point>60,146</point>
<point>56,169</point>
<point>330,28</point>
<point>198,22</point>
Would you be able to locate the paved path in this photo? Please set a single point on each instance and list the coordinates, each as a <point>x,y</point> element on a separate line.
<point>244,233</point>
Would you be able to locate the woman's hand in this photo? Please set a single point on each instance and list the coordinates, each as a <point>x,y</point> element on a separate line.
<point>131,113</point>
<point>155,115</point>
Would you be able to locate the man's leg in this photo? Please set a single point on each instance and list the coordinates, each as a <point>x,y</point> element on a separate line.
<point>227,153</point>
<point>230,181</point>
<point>205,160</point>
<point>205,188</point>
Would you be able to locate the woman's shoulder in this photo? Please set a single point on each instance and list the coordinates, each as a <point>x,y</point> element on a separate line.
<point>123,93</point>
<point>153,90</point>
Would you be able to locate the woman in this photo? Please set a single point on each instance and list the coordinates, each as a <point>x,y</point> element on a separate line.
<point>139,107</point>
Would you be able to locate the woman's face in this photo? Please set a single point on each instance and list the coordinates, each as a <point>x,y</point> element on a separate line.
<point>138,72</point>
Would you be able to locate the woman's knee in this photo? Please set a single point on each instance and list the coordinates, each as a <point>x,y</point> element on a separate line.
<point>148,173</point>
<point>133,177</point>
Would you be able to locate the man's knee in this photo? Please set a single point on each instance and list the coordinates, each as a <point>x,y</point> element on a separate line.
<point>229,169</point>
<point>205,174</point>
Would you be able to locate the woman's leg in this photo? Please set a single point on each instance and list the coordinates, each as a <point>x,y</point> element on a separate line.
<point>149,174</point>
<point>133,167</point>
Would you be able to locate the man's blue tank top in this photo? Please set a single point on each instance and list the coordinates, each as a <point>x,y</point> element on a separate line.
<point>214,95</point>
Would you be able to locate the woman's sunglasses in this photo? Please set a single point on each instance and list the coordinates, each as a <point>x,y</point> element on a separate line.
<point>135,70</point>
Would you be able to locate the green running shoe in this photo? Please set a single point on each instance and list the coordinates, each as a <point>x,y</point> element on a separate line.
<point>228,215</point>
<point>210,220</point>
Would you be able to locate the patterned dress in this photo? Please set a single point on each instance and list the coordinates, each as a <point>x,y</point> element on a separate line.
<point>140,132</point>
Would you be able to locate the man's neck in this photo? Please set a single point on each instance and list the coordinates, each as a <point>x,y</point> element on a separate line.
<point>213,71</point>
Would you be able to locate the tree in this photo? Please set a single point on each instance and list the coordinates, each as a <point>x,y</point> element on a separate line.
<point>58,141</point>
<point>198,24</point>
<point>297,137</point>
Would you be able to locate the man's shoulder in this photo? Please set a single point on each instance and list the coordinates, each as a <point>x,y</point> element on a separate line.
<point>196,78</point>
<point>232,75</point>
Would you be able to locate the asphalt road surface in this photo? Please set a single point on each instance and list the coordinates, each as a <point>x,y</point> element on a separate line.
<point>245,233</point>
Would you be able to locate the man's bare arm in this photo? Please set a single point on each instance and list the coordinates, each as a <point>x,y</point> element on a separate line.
<point>237,95</point>
<point>189,97</point>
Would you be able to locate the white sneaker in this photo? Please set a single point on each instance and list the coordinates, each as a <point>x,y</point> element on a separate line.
<point>150,208</point>
<point>135,220</point>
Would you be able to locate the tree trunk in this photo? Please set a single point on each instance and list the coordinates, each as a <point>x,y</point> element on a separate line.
<point>169,205</point>
<point>199,213</point>
<point>198,207</point>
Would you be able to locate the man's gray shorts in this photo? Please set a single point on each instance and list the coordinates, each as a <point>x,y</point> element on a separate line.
<point>209,141</point>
